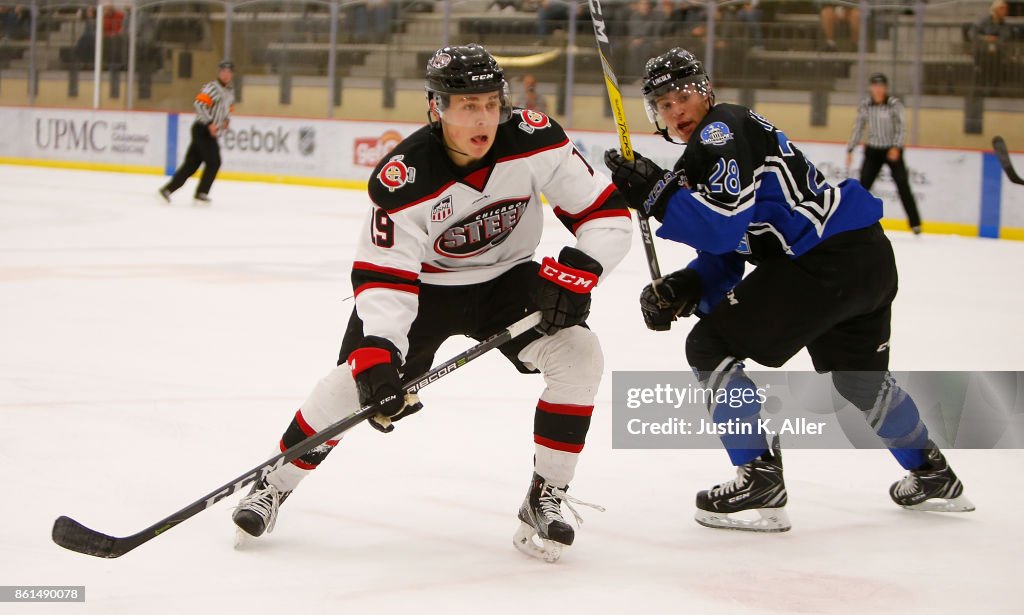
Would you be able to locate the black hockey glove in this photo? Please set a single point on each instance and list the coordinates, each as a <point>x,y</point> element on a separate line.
<point>563,293</point>
<point>646,186</point>
<point>375,369</point>
<point>667,298</point>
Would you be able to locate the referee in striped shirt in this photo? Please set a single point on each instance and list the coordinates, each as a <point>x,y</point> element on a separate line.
<point>214,104</point>
<point>884,117</point>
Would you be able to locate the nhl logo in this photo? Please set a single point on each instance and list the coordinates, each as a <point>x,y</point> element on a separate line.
<point>441,210</point>
<point>307,140</point>
<point>440,60</point>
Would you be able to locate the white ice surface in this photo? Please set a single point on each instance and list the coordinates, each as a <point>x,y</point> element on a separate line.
<point>150,353</point>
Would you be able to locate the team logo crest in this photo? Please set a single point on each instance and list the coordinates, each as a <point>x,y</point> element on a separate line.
<point>307,140</point>
<point>396,174</point>
<point>440,60</point>
<point>441,210</point>
<point>481,230</point>
<point>533,120</point>
<point>715,133</point>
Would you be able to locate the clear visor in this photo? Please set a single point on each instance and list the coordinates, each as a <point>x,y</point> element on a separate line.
<point>481,109</point>
<point>665,97</point>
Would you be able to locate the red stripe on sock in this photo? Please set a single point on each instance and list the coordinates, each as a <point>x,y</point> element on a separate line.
<point>303,425</point>
<point>558,446</point>
<point>570,409</point>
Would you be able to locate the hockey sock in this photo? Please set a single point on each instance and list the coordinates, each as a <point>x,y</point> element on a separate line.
<point>903,431</point>
<point>892,413</point>
<point>559,431</point>
<point>735,417</point>
<point>287,477</point>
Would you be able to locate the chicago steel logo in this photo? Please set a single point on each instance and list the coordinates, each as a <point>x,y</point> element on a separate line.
<point>307,140</point>
<point>442,210</point>
<point>396,174</point>
<point>482,230</point>
<point>369,151</point>
<point>533,120</point>
<point>440,60</point>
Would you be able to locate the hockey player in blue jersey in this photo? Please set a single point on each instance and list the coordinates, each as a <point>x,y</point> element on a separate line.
<point>824,278</point>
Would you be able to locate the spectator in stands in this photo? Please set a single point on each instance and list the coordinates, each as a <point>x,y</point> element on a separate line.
<point>113,21</point>
<point>15,23</point>
<point>990,35</point>
<point>372,20</point>
<point>554,15</point>
<point>529,98</point>
<point>751,17</point>
<point>833,14</point>
<point>85,46</point>
<point>668,18</point>
<point>642,28</point>
<point>695,26</point>
<point>503,6</point>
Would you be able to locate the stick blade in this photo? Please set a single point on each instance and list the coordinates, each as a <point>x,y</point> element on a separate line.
<point>1003,154</point>
<point>72,535</point>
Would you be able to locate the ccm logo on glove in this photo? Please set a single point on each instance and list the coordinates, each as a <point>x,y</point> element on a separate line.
<point>575,280</point>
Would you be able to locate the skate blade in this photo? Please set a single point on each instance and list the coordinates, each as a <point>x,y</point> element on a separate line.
<point>769,520</point>
<point>242,538</point>
<point>957,504</point>
<point>526,541</point>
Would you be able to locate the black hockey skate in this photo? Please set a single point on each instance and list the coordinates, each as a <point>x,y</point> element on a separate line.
<point>933,487</point>
<point>757,491</point>
<point>256,513</point>
<point>543,532</point>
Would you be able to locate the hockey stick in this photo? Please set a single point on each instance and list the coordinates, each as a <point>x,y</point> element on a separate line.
<point>72,535</point>
<point>999,145</point>
<point>604,50</point>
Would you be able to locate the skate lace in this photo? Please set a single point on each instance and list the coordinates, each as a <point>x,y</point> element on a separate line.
<point>742,473</point>
<point>907,485</point>
<point>551,505</point>
<point>265,503</point>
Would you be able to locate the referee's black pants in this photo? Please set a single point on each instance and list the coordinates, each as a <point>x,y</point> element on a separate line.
<point>203,150</point>
<point>874,158</point>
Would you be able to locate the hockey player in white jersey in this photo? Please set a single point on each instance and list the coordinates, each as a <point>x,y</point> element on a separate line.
<point>448,249</point>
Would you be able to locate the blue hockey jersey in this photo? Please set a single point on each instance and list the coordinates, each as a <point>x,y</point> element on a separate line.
<point>752,196</point>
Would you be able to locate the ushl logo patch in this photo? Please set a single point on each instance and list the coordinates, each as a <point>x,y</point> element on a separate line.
<point>482,230</point>
<point>441,210</point>
<point>715,133</point>
<point>533,120</point>
<point>396,174</point>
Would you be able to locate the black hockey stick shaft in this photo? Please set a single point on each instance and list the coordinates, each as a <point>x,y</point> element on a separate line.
<point>72,535</point>
<point>604,50</point>
<point>1003,154</point>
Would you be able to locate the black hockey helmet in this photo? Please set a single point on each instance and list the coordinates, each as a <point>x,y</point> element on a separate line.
<point>465,69</point>
<point>676,69</point>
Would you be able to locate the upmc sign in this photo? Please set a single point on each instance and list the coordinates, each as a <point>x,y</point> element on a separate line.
<point>92,136</point>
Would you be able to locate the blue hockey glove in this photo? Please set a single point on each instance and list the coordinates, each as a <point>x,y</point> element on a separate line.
<point>646,186</point>
<point>667,298</point>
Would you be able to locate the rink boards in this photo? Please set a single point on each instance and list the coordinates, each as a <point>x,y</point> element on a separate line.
<point>960,192</point>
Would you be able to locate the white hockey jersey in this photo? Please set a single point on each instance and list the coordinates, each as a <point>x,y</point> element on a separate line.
<point>436,223</point>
